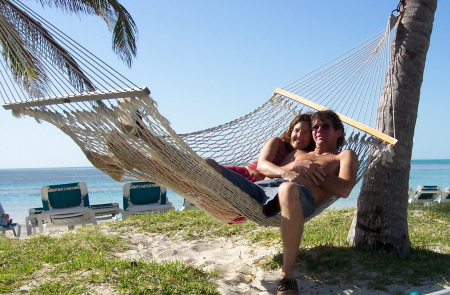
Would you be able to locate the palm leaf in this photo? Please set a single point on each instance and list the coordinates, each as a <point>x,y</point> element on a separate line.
<point>39,44</point>
<point>116,17</point>
<point>25,68</point>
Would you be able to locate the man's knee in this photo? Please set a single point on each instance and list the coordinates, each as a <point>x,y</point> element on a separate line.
<point>289,192</point>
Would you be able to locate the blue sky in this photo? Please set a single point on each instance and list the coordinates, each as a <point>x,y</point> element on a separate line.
<point>209,62</point>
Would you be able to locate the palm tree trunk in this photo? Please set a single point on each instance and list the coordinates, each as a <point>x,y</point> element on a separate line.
<point>380,221</point>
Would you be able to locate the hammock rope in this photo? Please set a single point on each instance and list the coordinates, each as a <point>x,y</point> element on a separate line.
<point>123,134</point>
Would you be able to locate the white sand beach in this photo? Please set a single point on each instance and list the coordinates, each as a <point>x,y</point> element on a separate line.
<point>237,262</point>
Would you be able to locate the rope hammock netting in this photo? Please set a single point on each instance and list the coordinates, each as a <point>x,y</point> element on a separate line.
<point>122,133</point>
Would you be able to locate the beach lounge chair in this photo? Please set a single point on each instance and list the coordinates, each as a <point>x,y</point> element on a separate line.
<point>426,193</point>
<point>188,205</point>
<point>445,196</point>
<point>106,211</point>
<point>411,193</point>
<point>32,220</point>
<point>13,227</point>
<point>65,205</point>
<point>144,197</point>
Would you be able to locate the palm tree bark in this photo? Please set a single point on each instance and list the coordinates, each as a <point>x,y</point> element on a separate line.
<point>380,222</point>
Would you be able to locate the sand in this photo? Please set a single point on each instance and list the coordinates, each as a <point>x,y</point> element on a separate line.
<point>235,260</point>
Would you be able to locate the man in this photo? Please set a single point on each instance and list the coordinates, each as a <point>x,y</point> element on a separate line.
<point>332,172</point>
<point>339,175</point>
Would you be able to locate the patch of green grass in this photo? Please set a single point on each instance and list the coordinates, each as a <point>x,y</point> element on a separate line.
<point>326,256</point>
<point>77,262</point>
<point>429,226</point>
<point>70,264</point>
<point>189,225</point>
<point>136,277</point>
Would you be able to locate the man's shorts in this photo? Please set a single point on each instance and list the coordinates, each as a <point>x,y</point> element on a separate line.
<point>266,193</point>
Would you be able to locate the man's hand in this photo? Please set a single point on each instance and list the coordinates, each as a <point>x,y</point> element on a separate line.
<point>310,171</point>
<point>306,173</point>
<point>293,176</point>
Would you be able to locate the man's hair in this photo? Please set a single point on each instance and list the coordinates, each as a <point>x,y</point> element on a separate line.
<point>286,136</point>
<point>335,120</point>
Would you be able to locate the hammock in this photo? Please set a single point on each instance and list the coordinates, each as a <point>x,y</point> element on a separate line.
<point>123,134</point>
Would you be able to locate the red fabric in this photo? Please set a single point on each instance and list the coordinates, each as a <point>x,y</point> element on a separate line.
<point>238,220</point>
<point>279,156</point>
<point>242,171</point>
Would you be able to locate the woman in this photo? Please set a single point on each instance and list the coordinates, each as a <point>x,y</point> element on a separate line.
<point>4,218</point>
<point>296,137</point>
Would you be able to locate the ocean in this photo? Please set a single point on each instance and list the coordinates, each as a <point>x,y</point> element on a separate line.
<point>20,188</point>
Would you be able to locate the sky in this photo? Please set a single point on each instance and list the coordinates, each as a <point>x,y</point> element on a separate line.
<point>209,62</point>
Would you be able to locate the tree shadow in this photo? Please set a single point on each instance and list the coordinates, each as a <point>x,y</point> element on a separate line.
<point>348,265</point>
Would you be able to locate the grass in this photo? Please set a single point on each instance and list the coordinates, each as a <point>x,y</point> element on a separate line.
<point>78,262</point>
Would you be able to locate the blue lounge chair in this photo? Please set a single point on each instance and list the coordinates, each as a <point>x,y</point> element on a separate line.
<point>65,205</point>
<point>32,220</point>
<point>188,205</point>
<point>144,197</point>
<point>106,211</point>
<point>411,193</point>
<point>13,227</point>
<point>426,193</point>
<point>445,196</point>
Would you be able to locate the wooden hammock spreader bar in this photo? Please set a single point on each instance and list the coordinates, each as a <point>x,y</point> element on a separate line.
<point>78,97</point>
<point>345,119</point>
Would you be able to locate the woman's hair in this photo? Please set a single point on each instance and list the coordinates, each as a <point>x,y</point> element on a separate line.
<point>286,136</point>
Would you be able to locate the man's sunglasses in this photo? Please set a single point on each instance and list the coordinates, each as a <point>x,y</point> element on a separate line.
<point>325,126</point>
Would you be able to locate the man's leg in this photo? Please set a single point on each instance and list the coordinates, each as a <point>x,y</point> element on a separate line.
<point>292,222</point>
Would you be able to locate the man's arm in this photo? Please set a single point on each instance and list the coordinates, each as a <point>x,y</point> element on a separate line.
<point>342,184</point>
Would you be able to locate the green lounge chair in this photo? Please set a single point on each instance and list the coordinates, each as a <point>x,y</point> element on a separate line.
<point>188,205</point>
<point>65,205</point>
<point>106,211</point>
<point>445,196</point>
<point>13,227</point>
<point>32,220</point>
<point>144,197</point>
<point>426,193</point>
<point>411,193</point>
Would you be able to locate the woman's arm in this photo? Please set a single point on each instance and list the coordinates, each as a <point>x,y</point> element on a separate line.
<point>265,160</point>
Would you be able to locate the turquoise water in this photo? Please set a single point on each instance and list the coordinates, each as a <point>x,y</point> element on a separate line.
<point>20,188</point>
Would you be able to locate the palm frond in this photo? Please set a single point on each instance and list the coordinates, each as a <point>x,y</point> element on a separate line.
<point>40,45</point>
<point>116,17</point>
<point>26,70</point>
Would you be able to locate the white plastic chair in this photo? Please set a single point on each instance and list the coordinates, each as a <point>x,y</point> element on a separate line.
<point>144,197</point>
<point>426,193</point>
<point>445,196</point>
<point>12,227</point>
